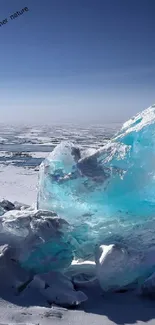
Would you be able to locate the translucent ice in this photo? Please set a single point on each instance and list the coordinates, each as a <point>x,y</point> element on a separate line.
<point>33,243</point>
<point>108,197</point>
<point>38,239</point>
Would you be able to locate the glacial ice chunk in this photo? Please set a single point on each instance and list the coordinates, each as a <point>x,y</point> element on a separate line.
<point>7,205</point>
<point>12,275</point>
<point>14,279</point>
<point>108,197</point>
<point>60,289</point>
<point>40,239</point>
<point>118,267</point>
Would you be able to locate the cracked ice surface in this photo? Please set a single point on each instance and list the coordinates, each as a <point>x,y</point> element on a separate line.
<point>108,197</point>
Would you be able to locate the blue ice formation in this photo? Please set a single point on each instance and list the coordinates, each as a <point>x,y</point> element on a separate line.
<point>38,239</point>
<point>107,197</point>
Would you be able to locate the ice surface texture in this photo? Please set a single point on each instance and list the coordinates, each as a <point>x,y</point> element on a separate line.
<point>108,197</point>
<point>123,267</point>
<point>38,238</point>
<point>16,280</point>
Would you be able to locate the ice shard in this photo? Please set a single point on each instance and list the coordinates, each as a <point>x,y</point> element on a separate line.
<point>39,238</point>
<point>108,197</point>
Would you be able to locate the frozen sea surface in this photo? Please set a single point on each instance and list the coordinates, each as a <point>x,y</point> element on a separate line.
<point>22,149</point>
<point>28,146</point>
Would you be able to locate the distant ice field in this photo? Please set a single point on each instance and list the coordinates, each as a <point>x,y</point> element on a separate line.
<point>22,149</point>
<point>28,146</point>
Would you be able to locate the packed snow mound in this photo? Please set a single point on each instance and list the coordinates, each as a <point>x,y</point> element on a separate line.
<point>108,197</point>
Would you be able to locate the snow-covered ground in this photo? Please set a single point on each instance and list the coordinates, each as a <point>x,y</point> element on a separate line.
<point>23,148</point>
<point>18,184</point>
<point>124,308</point>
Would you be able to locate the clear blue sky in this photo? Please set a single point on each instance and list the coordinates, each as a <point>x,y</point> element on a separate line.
<point>76,60</point>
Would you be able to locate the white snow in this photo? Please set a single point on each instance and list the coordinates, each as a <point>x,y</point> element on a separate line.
<point>18,184</point>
